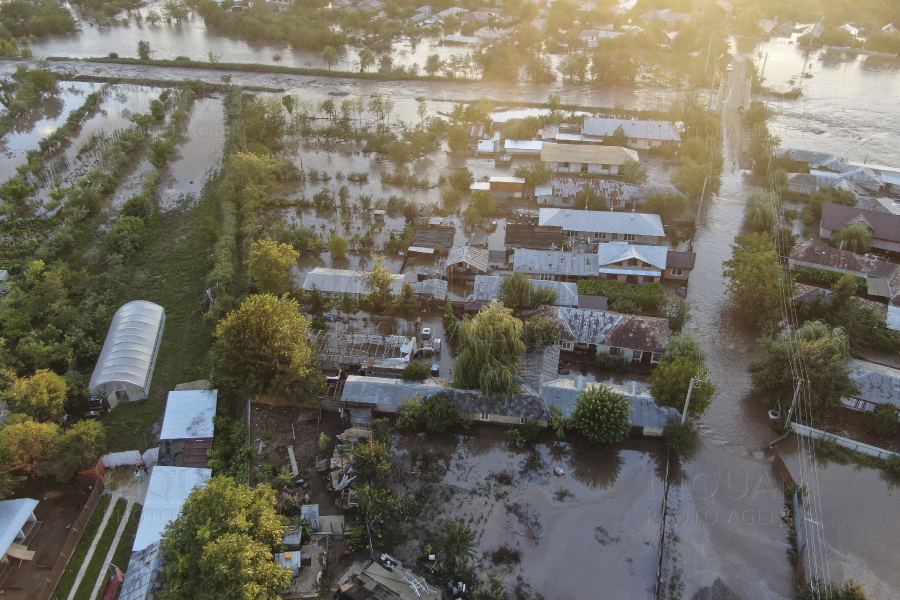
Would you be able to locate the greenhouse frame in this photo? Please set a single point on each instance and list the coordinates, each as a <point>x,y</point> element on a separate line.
<point>125,366</point>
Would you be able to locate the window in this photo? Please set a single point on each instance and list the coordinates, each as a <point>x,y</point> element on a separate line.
<point>614,351</point>
<point>601,235</point>
<point>485,417</point>
<point>567,200</point>
<point>584,167</point>
<point>632,142</point>
<point>569,346</point>
<point>628,237</point>
<point>604,167</point>
<point>615,236</point>
<point>677,272</point>
<point>565,165</point>
<point>656,357</point>
<point>649,144</point>
<point>546,277</point>
<point>569,233</point>
<point>522,420</point>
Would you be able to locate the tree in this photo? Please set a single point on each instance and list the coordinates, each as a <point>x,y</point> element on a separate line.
<point>41,396</point>
<point>691,178</point>
<point>671,379</point>
<point>813,210</point>
<point>490,345</point>
<point>483,203</point>
<point>415,371</point>
<point>856,237</point>
<point>28,443</point>
<point>558,420</point>
<point>458,141</point>
<point>270,266</point>
<point>761,211</point>
<point>143,50</point>
<point>681,438</point>
<point>372,459</point>
<point>632,172</point>
<point>518,292</point>
<point>668,205</point>
<point>450,199</point>
<point>819,590</point>
<point>539,331</point>
<point>455,543</point>
<point>883,420</point>
<point>263,348</point>
<point>461,179</point>
<point>618,138</point>
<point>78,448</point>
<point>221,544</point>
<point>330,56</point>
<point>379,281</point>
<point>338,246</point>
<point>142,206</point>
<point>825,351</point>
<point>601,415</point>
<point>755,279</point>
<point>126,237</point>
<point>366,60</point>
<point>439,414</point>
<point>587,198</point>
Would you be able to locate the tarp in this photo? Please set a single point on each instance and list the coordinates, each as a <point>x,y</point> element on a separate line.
<point>129,458</point>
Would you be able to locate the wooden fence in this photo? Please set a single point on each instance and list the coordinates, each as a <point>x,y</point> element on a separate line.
<point>72,542</point>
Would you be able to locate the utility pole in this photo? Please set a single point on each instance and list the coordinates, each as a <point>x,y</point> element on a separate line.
<point>687,400</point>
<point>787,419</point>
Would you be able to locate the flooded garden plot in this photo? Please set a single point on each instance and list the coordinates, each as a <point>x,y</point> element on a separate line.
<point>599,522</point>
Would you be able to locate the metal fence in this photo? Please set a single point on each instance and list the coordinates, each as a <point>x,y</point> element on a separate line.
<point>818,434</point>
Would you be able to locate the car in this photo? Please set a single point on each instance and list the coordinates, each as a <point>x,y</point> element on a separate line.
<point>426,334</point>
<point>729,68</point>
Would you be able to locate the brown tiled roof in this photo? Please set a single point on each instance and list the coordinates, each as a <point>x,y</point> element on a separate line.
<point>886,226</point>
<point>826,256</point>
<point>640,333</point>
<point>680,260</point>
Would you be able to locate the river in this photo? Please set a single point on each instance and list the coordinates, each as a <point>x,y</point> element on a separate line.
<point>730,500</point>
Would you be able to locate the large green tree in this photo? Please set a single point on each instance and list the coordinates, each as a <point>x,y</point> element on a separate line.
<point>761,211</point>
<point>856,237</point>
<point>682,361</point>
<point>823,352</point>
<point>490,346</point>
<point>518,292</point>
<point>455,544</point>
<point>755,279</point>
<point>78,448</point>
<point>270,266</point>
<point>42,396</point>
<point>602,415</point>
<point>27,443</point>
<point>221,545</point>
<point>263,348</point>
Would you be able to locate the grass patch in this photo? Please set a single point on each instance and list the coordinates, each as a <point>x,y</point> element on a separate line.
<point>90,530</point>
<point>123,551</point>
<point>169,271</point>
<point>98,560</point>
<point>162,83</point>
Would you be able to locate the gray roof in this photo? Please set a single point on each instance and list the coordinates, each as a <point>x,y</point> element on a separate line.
<point>555,262</point>
<point>338,281</point>
<point>644,410</point>
<point>167,491</point>
<point>607,328</point>
<point>644,130</point>
<point>13,516</point>
<point>540,366</point>
<point>189,414</point>
<point>468,256</point>
<point>615,252</point>
<point>487,288</point>
<point>432,288</point>
<point>877,383</point>
<point>602,221</point>
<point>142,577</point>
<point>390,393</point>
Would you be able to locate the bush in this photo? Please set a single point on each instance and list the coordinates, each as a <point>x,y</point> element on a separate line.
<point>141,206</point>
<point>681,438</point>
<point>883,420</point>
<point>126,237</point>
<point>440,414</point>
<point>415,371</point>
<point>617,362</point>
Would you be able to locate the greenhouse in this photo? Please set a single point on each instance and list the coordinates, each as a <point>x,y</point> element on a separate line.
<point>125,366</point>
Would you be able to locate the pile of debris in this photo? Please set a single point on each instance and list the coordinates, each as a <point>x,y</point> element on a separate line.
<point>339,468</point>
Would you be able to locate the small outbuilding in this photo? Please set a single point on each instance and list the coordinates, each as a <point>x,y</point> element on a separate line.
<point>187,429</point>
<point>125,366</point>
<point>16,522</point>
<point>167,491</point>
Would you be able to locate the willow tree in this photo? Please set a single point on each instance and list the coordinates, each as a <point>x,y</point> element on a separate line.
<point>490,345</point>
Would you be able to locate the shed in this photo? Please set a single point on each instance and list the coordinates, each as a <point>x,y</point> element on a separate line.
<point>167,491</point>
<point>468,257</point>
<point>432,237</point>
<point>16,522</point>
<point>187,429</point>
<point>431,288</point>
<point>125,366</point>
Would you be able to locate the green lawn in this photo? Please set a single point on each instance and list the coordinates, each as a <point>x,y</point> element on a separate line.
<point>98,560</point>
<point>87,538</point>
<point>123,550</point>
<point>169,271</point>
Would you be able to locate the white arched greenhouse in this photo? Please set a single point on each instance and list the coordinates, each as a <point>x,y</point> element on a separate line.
<point>125,366</point>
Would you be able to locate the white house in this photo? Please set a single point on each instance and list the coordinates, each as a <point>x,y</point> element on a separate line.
<point>603,226</point>
<point>577,158</point>
<point>642,135</point>
<point>337,282</point>
<point>878,384</point>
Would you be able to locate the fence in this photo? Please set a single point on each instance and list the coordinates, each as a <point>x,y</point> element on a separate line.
<point>818,434</point>
<point>71,542</point>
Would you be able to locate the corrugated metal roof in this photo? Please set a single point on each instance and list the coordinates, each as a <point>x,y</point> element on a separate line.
<point>142,574</point>
<point>433,288</point>
<point>555,262</point>
<point>877,383</point>
<point>129,352</point>
<point>606,328</point>
<point>508,180</point>
<point>487,288</point>
<point>470,256</point>
<point>644,410</point>
<point>533,236</point>
<point>893,317</point>
<point>463,39</point>
<point>579,153</point>
<point>167,491</point>
<point>615,252</point>
<point>13,516</point>
<point>603,221</point>
<point>644,130</point>
<point>337,281</point>
<point>486,145</point>
<point>189,414</point>
<point>528,145</point>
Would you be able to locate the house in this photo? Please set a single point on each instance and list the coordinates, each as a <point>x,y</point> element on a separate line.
<point>386,579</point>
<point>679,264</point>
<point>433,237</point>
<point>554,265</point>
<point>125,366</point>
<point>533,236</point>
<point>878,384</point>
<point>853,31</point>
<point>431,288</point>
<point>386,395</point>
<point>281,5</point>
<point>466,261</point>
<point>572,158</point>
<point>187,428</point>
<point>474,17</point>
<point>885,227</point>
<point>561,191</point>
<point>642,135</point>
<point>591,37</point>
<point>645,413</point>
<point>603,226</point>
<point>833,170</point>
<point>670,17</point>
<point>337,282</point>
<point>17,521</point>
<point>167,491</point>
<point>422,13</point>
<point>639,339</point>
<point>487,288</point>
<point>620,261</point>
<point>464,40</point>
<point>502,188</point>
<point>882,278</point>
<point>889,28</point>
<point>523,147</point>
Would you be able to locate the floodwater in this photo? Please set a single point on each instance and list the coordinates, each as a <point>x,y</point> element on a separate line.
<point>607,524</point>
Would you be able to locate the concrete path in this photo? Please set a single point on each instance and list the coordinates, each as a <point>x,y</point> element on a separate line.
<point>104,572</point>
<point>90,552</point>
